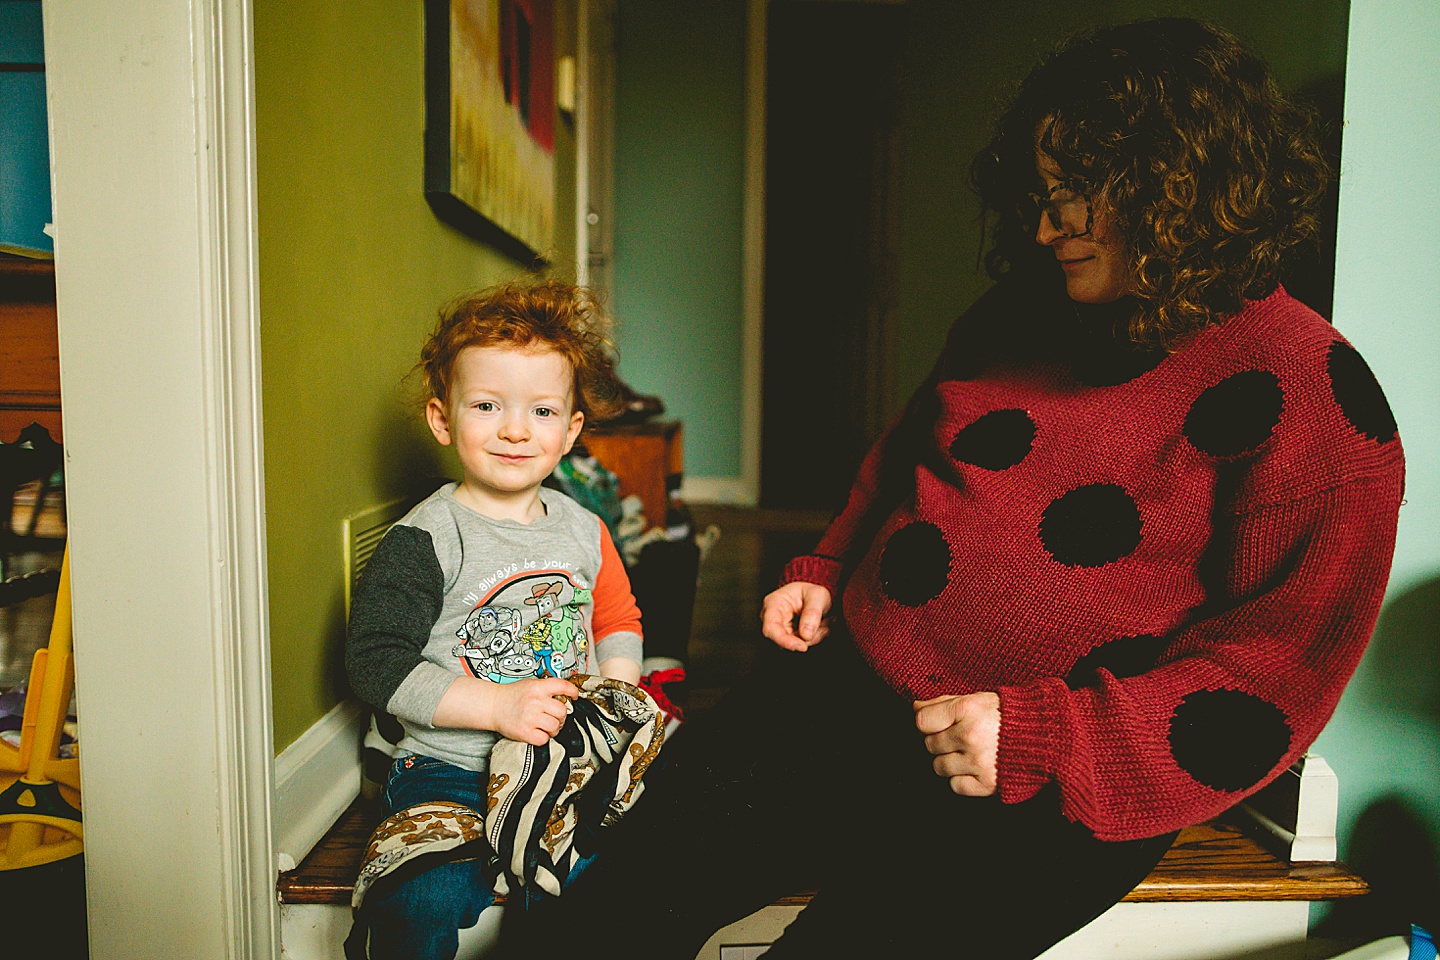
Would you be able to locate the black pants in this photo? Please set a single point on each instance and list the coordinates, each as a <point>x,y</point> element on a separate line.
<point>812,776</point>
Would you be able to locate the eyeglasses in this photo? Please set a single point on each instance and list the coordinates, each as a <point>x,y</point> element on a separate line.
<point>1066,206</point>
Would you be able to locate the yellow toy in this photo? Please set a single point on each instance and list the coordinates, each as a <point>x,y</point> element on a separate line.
<point>39,808</point>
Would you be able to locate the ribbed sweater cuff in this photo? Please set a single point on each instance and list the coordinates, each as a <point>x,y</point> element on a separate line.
<point>822,571</point>
<point>1032,736</point>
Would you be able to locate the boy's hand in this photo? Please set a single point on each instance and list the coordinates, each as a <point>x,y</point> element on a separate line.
<point>527,710</point>
<point>794,615</point>
<point>963,734</point>
<point>621,668</point>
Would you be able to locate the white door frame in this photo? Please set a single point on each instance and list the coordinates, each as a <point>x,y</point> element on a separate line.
<point>152,149</point>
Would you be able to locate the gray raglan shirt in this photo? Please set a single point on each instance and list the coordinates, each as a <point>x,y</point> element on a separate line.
<point>451,592</point>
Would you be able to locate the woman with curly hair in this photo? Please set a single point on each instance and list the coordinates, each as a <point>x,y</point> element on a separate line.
<point>1105,577</point>
<point>1205,173</point>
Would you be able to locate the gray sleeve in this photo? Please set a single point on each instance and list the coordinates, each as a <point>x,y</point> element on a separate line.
<point>622,643</point>
<point>394,607</point>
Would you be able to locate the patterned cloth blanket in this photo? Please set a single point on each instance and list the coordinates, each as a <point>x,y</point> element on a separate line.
<point>545,804</point>
<point>543,809</point>
<point>404,845</point>
<point>413,840</point>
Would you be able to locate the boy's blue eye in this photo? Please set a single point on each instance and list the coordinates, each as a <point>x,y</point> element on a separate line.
<point>544,412</point>
<point>485,406</point>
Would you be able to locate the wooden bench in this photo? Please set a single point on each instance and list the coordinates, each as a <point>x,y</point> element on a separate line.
<point>1217,893</point>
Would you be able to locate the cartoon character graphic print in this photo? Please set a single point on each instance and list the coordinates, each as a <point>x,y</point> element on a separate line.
<point>528,626</point>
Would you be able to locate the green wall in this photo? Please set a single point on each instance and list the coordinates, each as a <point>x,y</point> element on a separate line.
<point>353,265</point>
<point>679,167</point>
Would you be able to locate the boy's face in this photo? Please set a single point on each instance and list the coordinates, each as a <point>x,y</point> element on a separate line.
<point>511,419</point>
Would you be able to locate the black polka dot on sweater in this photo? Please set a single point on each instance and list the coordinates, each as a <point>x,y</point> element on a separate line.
<point>1125,657</point>
<point>995,441</point>
<point>1091,525</point>
<point>1237,414</point>
<point>1359,394</point>
<point>1228,740</point>
<point>915,566</point>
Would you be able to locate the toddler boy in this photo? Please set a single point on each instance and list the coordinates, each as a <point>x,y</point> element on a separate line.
<point>478,601</point>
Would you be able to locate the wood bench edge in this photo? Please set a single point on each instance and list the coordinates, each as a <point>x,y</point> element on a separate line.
<point>1198,868</point>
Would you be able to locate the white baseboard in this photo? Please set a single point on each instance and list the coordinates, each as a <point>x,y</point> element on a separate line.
<point>316,778</point>
<point>733,491</point>
<point>317,931</point>
<point>314,931</point>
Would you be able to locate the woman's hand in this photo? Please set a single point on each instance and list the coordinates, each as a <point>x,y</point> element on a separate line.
<point>963,734</point>
<point>530,711</point>
<point>794,615</point>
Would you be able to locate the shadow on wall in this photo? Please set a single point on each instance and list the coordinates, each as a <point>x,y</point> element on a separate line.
<point>1403,674</point>
<point>1394,851</point>
<point>407,458</point>
<point>1394,845</point>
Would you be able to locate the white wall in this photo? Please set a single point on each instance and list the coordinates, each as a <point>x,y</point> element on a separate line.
<point>152,162</point>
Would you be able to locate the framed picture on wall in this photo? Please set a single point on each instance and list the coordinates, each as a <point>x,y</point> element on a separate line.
<point>490,121</point>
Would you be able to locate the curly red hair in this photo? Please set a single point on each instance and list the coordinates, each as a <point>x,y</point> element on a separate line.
<point>552,313</point>
<point>1208,172</point>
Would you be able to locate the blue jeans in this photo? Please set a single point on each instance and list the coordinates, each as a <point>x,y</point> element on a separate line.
<point>421,919</point>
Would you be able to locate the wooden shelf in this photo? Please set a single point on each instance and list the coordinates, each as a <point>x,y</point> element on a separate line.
<point>13,265</point>
<point>29,347</point>
<point>1215,861</point>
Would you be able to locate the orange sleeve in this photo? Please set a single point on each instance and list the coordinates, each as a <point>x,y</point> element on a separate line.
<point>614,608</point>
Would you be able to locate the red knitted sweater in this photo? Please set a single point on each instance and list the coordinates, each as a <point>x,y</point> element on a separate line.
<point>1167,565</point>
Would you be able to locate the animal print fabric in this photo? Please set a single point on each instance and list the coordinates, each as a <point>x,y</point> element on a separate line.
<point>545,804</point>
<point>440,830</point>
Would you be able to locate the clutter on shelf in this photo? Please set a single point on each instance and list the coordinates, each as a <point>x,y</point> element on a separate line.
<point>40,818</point>
<point>635,407</point>
<point>12,722</point>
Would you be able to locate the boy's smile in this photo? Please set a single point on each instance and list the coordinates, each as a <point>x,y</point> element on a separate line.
<point>510,417</point>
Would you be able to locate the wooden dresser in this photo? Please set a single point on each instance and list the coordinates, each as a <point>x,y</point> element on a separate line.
<point>646,457</point>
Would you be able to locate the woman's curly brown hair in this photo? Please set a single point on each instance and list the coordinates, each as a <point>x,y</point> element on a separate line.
<point>1207,171</point>
<point>561,316</point>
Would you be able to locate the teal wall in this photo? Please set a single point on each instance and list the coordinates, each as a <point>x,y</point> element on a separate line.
<point>24,135</point>
<point>679,167</point>
<point>1385,737</point>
